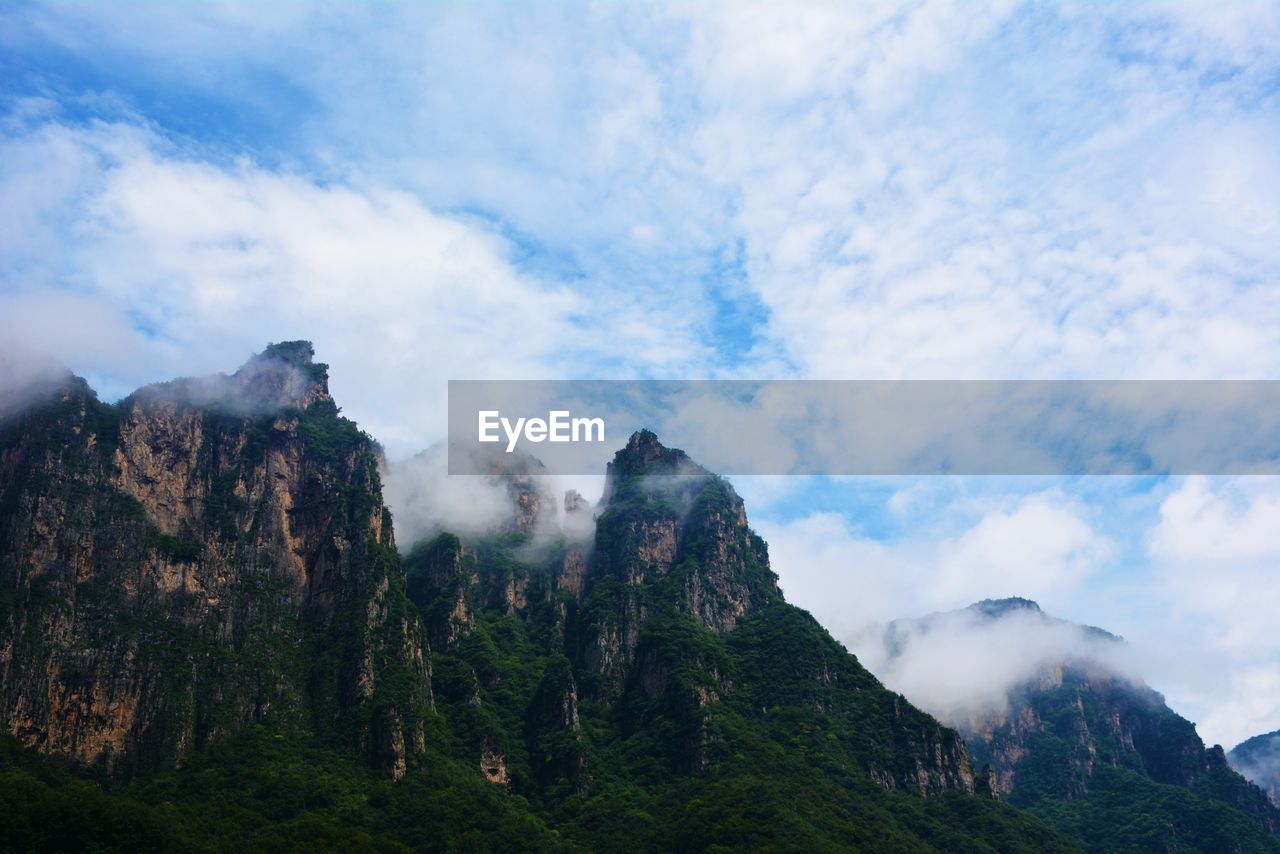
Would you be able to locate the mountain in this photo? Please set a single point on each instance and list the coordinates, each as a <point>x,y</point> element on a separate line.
<point>209,640</point>
<point>1089,748</point>
<point>206,555</point>
<point>1258,759</point>
<point>658,666</point>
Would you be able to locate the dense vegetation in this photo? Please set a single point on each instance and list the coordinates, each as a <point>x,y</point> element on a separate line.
<point>787,752</point>
<point>1258,758</point>
<point>261,792</point>
<point>1125,811</point>
<point>1112,766</point>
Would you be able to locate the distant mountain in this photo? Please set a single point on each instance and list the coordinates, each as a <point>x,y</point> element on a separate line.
<point>1258,759</point>
<point>1097,753</point>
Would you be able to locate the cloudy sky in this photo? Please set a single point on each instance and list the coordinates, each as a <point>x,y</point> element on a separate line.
<point>702,190</point>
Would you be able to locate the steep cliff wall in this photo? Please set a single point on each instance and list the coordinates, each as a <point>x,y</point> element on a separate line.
<point>1075,719</point>
<point>668,635</point>
<point>673,538</point>
<point>1074,730</point>
<point>205,555</point>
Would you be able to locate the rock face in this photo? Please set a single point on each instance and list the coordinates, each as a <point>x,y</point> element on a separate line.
<point>670,530</point>
<point>1101,720</point>
<point>445,582</point>
<point>1075,716</point>
<point>205,555</point>
<point>663,629</point>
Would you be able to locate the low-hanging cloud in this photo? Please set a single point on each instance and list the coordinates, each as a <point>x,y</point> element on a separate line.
<point>963,665</point>
<point>1259,760</point>
<point>182,266</point>
<point>1214,549</point>
<point>25,377</point>
<point>1043,545</point>
<point>426,500</point>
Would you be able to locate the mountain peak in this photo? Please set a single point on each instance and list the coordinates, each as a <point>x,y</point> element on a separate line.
<point>644,455</point>
<point>997,608</point>
<point>1258,759</point>
<point>643,448</point>
<point>298,353</point>
<point>282,376</point>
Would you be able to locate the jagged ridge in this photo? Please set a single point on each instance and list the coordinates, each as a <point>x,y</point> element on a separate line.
<point>662,666</point>
<point>209,562</point>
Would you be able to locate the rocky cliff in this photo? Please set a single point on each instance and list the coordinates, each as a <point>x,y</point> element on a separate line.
<point>1076,726</point>
<point>200,592</point>
<point>663,630</point>
<point>205,555</point>
<point>672,538</point>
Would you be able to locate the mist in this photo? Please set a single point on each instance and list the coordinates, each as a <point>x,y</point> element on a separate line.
<point>1258,759</point>
<point>426,500</point>
<point>26,376</point>
<point>279,378</point>
<point>961,666</point>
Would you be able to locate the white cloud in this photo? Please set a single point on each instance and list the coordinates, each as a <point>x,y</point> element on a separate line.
<point>892,189</point>
<point>173,265</point>
<point>1040,545</point>
<point>937,189</point>
<point>1196,603</point>
<point>1224,521</point>
<point>962,666</point>
<point>1215,551</point>
<point>1251,705</point>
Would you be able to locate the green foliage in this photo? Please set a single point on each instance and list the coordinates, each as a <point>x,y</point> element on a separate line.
<point>263,791</point>
<point>1182,797</point>
<point>1125,811</point>
<point>329,436</point>
<point>766,737</point>
<point>45,806</point>
<point>787,751</point>
<point>175,548</point>
<point>299,355</point>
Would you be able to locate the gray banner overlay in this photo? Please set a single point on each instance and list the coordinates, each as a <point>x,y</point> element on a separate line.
<point>908,427</point>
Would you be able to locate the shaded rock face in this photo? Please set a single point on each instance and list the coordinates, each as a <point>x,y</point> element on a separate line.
<point>206,555</point>
<point>939,761</point>
<point>574,503</point>
<point>676,579</point>
<point>532,506</point>
<point>1074,716</point>
<point>1102,717</point>
<point>442,583</point>
<point>667,625</point>
<point>554,729</point>
<point>669,531</point>
<point>572,574</point>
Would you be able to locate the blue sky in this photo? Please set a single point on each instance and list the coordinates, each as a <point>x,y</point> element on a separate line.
<point>570,190</point>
